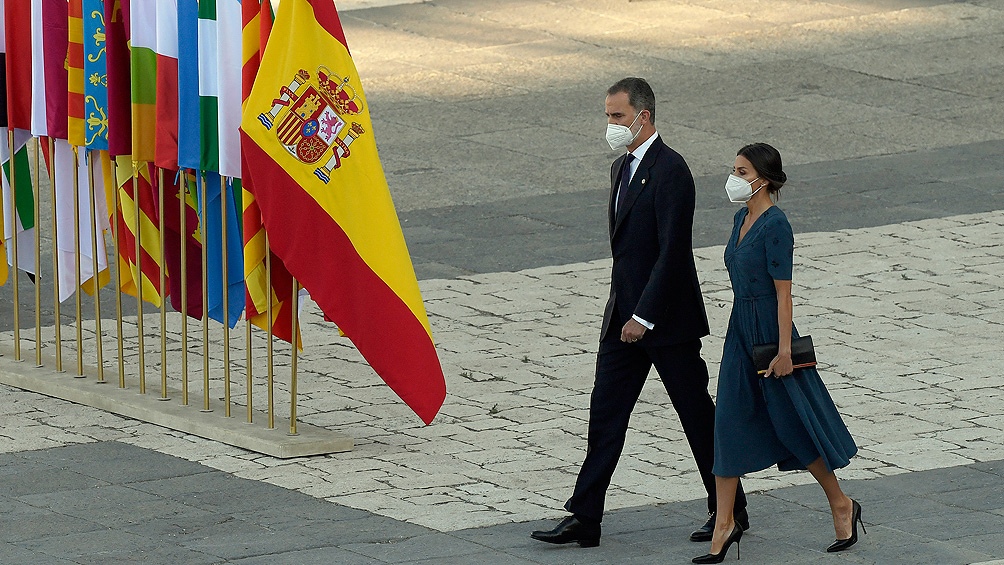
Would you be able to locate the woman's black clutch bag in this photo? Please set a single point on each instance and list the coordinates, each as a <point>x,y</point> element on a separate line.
<point>802,354</point>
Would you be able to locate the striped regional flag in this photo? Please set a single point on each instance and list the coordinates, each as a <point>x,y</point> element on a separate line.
<point>167,84</point>
<point>219,80</point>
<point>143,74</point>
<point>217,51</point>
<point>257,18</point>
<point>138,198</point>
<point>209,119</point>
<point>18,201</point>
<point>325,201</point>
<point>120,138</point>
<point>75,79</point>
<point>18,204</point>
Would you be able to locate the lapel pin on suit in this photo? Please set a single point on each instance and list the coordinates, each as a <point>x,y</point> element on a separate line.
<point>643,181</point>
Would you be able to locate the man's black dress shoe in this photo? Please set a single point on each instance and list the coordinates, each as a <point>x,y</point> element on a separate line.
<point>705,532</point>
<point>571,529</point>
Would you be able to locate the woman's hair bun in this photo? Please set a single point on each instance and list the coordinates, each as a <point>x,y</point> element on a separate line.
<point>767,161</point>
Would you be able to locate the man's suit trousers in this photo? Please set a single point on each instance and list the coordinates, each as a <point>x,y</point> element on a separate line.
<point>621,371</point>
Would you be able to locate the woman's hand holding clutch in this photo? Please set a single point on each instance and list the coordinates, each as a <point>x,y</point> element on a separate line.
<point>780,367</point>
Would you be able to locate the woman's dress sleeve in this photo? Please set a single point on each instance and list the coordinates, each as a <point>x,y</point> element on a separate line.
<point>780,246</point>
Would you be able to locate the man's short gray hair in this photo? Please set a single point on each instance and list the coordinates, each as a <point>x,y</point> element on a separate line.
<point>640,94</point>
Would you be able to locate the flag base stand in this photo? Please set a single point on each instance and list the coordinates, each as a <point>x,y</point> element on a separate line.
<point>276,442</point>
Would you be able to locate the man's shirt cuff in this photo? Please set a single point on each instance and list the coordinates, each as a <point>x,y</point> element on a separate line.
<point>647,324</point>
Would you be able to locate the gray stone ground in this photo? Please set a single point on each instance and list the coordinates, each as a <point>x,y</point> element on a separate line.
<point>489,118</point>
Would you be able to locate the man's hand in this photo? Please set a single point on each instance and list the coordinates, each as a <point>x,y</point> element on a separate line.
<point>632,331</point>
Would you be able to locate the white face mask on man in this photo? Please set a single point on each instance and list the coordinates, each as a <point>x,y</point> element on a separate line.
<point>619,137</point>
<point>739,190</point>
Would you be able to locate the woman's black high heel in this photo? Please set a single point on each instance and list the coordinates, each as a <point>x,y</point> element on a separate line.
<point>735,536</point>
<point>842,544</point>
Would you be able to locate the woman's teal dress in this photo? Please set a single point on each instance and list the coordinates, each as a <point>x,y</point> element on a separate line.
<point>759,422</point>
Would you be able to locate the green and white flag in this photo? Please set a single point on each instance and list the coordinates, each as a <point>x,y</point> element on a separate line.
<point>20,197</point>
<point>220,65</point>
<point>209,114</point>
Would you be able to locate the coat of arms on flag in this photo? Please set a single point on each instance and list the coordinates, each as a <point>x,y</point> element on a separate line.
<point>311,123</point>
<point>291,124</point>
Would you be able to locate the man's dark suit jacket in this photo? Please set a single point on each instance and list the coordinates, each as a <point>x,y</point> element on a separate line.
<point>651,238</point>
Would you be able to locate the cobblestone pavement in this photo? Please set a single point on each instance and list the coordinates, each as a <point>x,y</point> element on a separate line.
<point>906,319</point>
<point>898,279</point>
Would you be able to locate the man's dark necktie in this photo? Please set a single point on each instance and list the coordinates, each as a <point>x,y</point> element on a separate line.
<point>625,181</point>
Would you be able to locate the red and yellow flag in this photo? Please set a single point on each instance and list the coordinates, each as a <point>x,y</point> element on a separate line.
<point>264,285</point>
<point>75,77</point>
<point>176,190</point>
<point>136,197</point>
<point>308,139</point>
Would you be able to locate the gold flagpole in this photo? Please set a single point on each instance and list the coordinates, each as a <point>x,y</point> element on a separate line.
<point>95,232</point>
<point>205,300</point>
<point>268,346</point>
<point>292,365</point>
<point>163,294</point>
<point>118,270</point>
<point>183,208</point>
<point>76,260</point>
<point>55,257</point>
<point>226,306</point>
<point>13,231</point>
<point>247,351</point>
<point>139,277</point>
<point>36,190</point>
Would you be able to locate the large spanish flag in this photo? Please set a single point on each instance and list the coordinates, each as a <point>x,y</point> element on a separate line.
<point>308,139</point>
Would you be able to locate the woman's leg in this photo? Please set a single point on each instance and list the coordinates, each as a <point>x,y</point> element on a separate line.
<point>725,496</point>
<point>841,506</point>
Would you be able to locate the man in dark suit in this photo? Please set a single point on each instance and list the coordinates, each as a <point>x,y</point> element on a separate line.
<point>655,314</point>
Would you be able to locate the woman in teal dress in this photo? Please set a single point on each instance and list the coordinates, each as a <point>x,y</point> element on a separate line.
<point>786,417</point>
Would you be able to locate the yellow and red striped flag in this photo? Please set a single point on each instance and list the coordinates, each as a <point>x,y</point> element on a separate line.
<point>131,203</point>
<point>75,70</point>
<point>261,288</point>
<point>312,159</point>
<point>120,143</point>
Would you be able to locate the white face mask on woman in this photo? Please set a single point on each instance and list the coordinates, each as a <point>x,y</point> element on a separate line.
<point>619,136</point>
<point>739,190</point>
